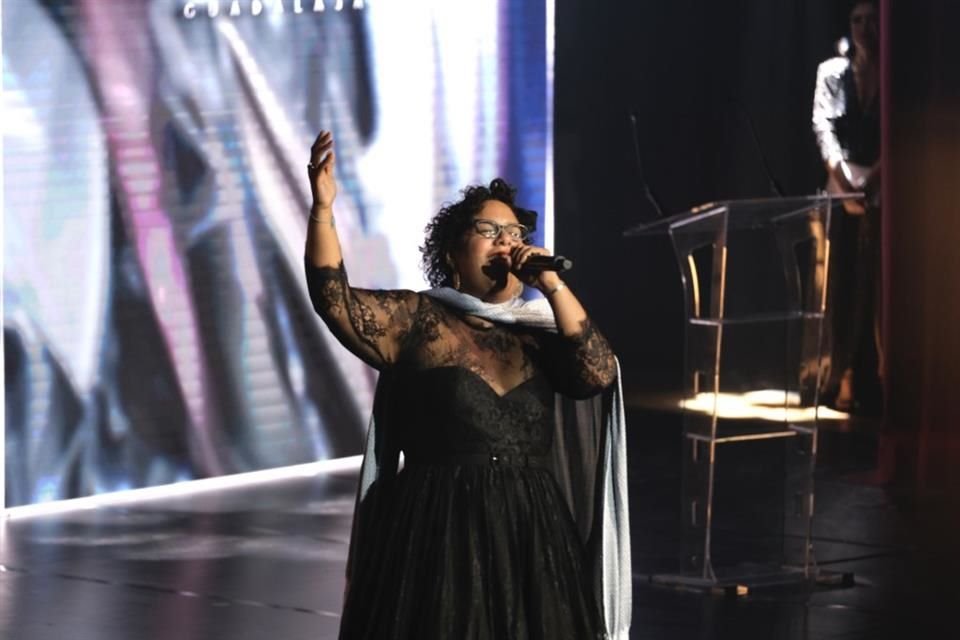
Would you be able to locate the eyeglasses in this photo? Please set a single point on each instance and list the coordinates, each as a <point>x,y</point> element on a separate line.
<point>490,229</point>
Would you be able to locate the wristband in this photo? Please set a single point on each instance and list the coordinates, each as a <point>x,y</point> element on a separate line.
<point>329,220</point>
<point>559,287</point>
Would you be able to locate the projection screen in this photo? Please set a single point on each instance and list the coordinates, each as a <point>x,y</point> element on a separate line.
<point>156,324</point>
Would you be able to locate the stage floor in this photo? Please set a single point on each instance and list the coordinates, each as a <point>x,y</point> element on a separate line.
<point>266,562</point>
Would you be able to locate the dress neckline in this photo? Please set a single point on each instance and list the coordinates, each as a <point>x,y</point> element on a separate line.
<point>486,383</point>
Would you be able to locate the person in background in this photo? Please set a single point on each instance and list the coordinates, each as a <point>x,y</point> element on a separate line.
<point>846,122</point>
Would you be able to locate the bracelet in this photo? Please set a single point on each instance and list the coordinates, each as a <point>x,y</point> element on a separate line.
<point>329,220</point>
<point>559,287</point>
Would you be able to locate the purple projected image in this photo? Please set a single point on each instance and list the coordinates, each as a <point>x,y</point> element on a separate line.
<point>156,323</point>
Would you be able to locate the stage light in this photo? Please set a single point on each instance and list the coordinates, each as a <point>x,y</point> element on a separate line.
<point>773,405</point>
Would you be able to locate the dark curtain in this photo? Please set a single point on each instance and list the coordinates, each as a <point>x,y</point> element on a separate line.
<point>921,445</point>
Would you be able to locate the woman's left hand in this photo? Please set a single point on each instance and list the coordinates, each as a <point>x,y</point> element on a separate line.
<point>323,186</point>
<point>542,280</point>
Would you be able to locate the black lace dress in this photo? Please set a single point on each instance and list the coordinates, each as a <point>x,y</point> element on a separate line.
<point>474,537</point>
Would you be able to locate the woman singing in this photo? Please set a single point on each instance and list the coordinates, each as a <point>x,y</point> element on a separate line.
<point>508,518</point>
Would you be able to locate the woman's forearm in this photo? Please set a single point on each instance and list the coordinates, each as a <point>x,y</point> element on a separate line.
<point>582,349</point>
<point>323,244</point>
<point>567,310</point>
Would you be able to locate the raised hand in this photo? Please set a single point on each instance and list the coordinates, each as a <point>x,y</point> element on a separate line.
<point>543,280</point>
<point>323,186</point>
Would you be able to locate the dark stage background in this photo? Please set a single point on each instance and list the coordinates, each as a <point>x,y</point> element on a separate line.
<point>694,72</point>
<point>696,75</point>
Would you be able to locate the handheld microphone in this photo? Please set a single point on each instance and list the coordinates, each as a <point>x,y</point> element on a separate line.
<point>537,263</point>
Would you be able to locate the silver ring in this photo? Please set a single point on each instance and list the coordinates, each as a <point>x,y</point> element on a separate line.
<point>311,165</point>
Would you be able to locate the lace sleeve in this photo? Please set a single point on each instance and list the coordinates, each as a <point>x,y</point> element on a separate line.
<point>581,365</point>
<point>371,324</point>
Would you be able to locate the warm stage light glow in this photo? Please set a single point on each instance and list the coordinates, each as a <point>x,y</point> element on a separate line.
<point>774,405</point>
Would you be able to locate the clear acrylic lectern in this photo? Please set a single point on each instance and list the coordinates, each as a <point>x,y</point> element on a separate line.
<point>754,276</point>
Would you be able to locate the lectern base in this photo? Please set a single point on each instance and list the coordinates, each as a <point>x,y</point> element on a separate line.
<point>742,579</point>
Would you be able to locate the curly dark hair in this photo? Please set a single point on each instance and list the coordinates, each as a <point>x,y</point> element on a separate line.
<point>445,230</point>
